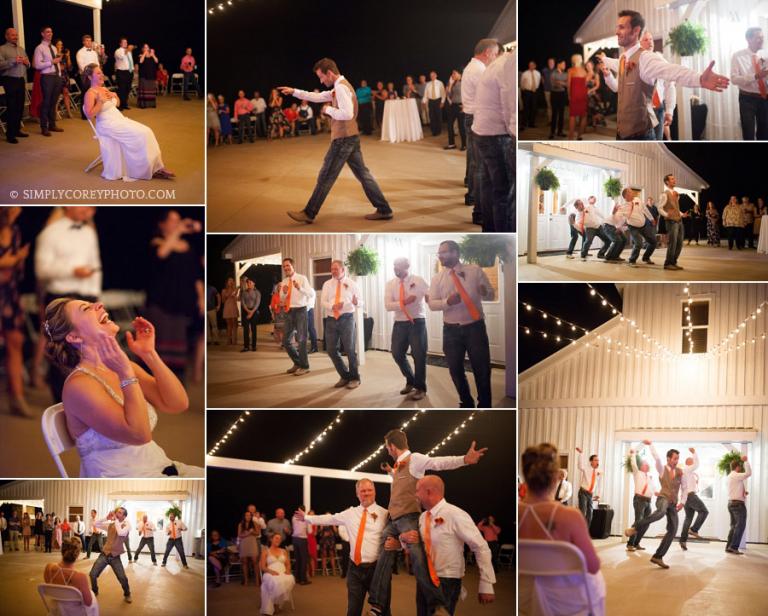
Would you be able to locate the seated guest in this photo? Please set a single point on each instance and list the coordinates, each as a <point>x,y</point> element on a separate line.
<point>291,115</point>
<point>260,113</point>
<point>162,79</point>
<point>64,574</point>
<point>218,555</point>
<point>277,581</point>
<point>391,92</point>
<point>541,517</point>
<point>129,149</point>
<point>243,108</point>
<point>306,117</point>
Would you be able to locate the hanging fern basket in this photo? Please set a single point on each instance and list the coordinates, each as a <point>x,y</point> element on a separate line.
<point>688,39</point>
<point>546,179</point>
<point>612,187</point>
<point>724,463</point>
<point>483,249</point>
<point>362,261</point>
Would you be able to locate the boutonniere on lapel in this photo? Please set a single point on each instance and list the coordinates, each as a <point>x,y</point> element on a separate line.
<point>439,521</point>
<point>374,515</point>
<point>412,285</point>
<point>462,275</point>
<point>346,286</point>
<point>631,65</point>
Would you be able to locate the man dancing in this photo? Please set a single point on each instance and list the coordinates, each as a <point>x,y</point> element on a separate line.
<point>173,530</point>
<point>295,294</point>
<point>737,507</point>
<point>641,501</point>
<point>590,481</point>
<point>117,528</point>
<point>671,479</point>
<point>147,533</point>
<point>691,501</point>
<point>669,208</point>
<point>345,143</point>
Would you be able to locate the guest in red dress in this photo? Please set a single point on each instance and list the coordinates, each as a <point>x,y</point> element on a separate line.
<point>577,97</point>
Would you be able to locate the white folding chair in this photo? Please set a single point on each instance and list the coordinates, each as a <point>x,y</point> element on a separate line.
<point>58,594</point>
<point>75,93</point>
<point>177,83</point>
<point>96,161</point>
<point>507,555</point>
<point>549,559</point>
<point>56,435</point>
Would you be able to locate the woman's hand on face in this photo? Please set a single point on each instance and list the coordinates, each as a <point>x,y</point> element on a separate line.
<point>113,357</point>
<point>143,341</point>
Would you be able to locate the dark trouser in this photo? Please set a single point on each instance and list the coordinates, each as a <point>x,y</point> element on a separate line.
<point>381,584</point>
<point>649,135</point>
<point>311,329</point>
<point>753,111</point>
<point>14,101</point>
<point>50,85</point>
<point>738,513</point>
<point>693,505</point>
<point>496,162</point>
<point>558,112</point>
<point>663,508</point>
<point>365,117</point>
<point>249,331</point>
<point>472,340</point>
<point>359,579</point>
<point>148,541</point>
<point>345,562</point>
<point>734,236</point>
<point>659,130</point>
<point>674,241</point>
<point>451,588</point>
<point>345,150</point>
<point>585,506</point>
<point>380,112</point>
<point>48,540</point>
<point>179,548</point>
<point>749,237</point>
<point>435,116</point>
<point>639,234</point>
<point>128,548</point>
<point>589,236</point>
<point>301,554</point>
<point>495,550</point>
<point>244,128</point>
<point>296,321</point>
<point>618,241</point>
<point>455,114</point>
<point>642,507</point>
<point>261,124</point>
<point>97,539</point>
<point>575,235</point>
<point>188,83</point>
<point>102,562</point>
<point>124,81</point>
<point>529,104</point>
<point>406,334</point>
<point>83,85</point>
<point>469,174</point>
<point>341,331</point>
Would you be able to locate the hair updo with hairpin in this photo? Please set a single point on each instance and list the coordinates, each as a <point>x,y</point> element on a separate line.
<point>56,326</point>
<point>541,465</point>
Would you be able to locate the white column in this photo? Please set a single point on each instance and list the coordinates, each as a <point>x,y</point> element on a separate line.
<point>18,22</point>
<point>510,319</point>
<point>307,491</point>
<point>97,25</point>
<point>360,329</point>
<point>533,216</point>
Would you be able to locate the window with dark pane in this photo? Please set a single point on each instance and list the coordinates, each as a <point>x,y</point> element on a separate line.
<point>694,318</point>
<point>321,271</point>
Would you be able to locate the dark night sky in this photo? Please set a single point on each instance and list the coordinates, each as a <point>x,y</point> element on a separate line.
<point>570,301</point>
<point>274,437</point>
<point>218,268</point>
<point>169,26</point>
<point>261,45</point>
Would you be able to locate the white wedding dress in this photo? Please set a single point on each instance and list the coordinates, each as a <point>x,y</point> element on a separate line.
<point>101,456</point>
<point>129,150</point>
<point>275,588</point>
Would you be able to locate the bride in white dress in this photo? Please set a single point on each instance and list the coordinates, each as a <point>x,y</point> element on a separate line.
<point>129,150</point>
<point>110,401</point>
<point>64,574</point>
<point>276,579</point>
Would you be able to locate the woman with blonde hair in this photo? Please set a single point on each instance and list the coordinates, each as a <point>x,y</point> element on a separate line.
<point>63,573</point>
<point>577,97</point>
<point>276,581</point>
<point>229,312</point>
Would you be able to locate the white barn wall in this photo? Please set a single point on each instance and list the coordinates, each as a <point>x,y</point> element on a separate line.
<point>593,429</point>
<point>94,494</point>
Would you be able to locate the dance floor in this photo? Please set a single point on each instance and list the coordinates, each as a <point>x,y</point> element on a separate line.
<point>698,263</point>
<point>251,186</point>
<point>541,131</point>
<point>170,591</point>
<point>247,380</point>
<point>327,596</point>
<point>58,162</point>
<point>703,580</point>
<point>26,455</point>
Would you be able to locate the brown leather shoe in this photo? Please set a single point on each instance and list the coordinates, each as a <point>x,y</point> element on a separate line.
<point>300,216</point>
<point>46,133</point>
<point>56,129</point>
<point>378,216</point>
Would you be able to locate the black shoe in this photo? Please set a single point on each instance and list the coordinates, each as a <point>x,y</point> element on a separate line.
<point>683,546</point>
<point>449,147</point>
<point>561,135</point>
<point>11,140</point>
<point>468,200</point>
<point>244,350</point>
<point>462,148</point>
<point>21,133</point>
<point>551,136</point>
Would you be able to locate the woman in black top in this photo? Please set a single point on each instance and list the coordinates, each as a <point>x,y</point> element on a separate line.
<point>148,63</point>
<point>38,531</point>
<point>48,532</point>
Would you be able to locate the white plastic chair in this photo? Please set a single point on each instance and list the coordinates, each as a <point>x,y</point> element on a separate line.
<point>177,83</point>
<point>56,435</point>
<point>549,559</point>
<point>67,597</point>
<point>96,161</point>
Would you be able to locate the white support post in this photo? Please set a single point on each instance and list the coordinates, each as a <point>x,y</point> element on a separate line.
<point>307,492</point>
<point>18,21</point>
<point>533,216</point>
<point>97,25</point>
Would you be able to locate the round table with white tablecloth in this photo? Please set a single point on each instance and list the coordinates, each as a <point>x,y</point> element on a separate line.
<point>401,121</point>
<point>762,242</point>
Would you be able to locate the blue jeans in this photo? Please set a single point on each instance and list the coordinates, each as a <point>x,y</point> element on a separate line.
<point>296,321</point>
<point>496,162</point>
<point>188,83</point>
<point>575,235</point>
<point>406,334</point>
<point>650,135</point>
<point>753,112</point>
<point>345,150</point>
<point>451,588</point>
<point>693,505</point>
<point>639,234</point>
<point>642,507</point>
<point>738,512</point>
<point>175,543</point>
<point>617,241</point>
<point>472,340</point>
<point>663,508</point>
<point>359,578</point>
<point>104,561</point>
<point>341,331</point>
<point>589,236</point>
<point>311,329</point>
<point>585,506</point>
<point>381,584</point>
<point>659,130</point>
<point>674,241</point>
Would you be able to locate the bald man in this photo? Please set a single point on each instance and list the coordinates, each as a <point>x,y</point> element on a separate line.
<point>404,295</point>
<point>444,529</point>
<point>14,63</point>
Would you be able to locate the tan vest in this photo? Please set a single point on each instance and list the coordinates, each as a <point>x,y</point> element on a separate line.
<point>634,97</point>
<point>672,206</point>
<point>344,128</point>
<point>402,498</point>
<point>114,545</point>
<point>670,487</point>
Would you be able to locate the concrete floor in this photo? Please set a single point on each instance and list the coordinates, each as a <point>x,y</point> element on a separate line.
<point>170,591</point>
<point>327,596</point>
<point>698,262</point>
<point>251,186</point>
<point>26,455</point>
<point>177,124</point>
<point>248,380</point>
<point>703,580</point>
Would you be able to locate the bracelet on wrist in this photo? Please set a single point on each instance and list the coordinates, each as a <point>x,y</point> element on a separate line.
<point>127,382</point>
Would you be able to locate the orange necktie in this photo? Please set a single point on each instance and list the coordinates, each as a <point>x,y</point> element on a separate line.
<point>358,558</point>
<point>173,530</point>
<point>288,295</point>
<point>428,549</point>
<point>656,99</point>
<point>402,301</point>
<point>336,311</point>
<point>592,483</point>
<point>760,82</point>
<point>473,311</point>
<point>622,66</point>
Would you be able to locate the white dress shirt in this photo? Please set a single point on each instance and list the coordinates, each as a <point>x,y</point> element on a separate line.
<point>349,519</point>
<point>435,89</point>
<point>635,214</point>
<point>566,491</point>
<point>43,57</point>
<point>79,527</point>
<point>420,463</point>
<point>122,528</point>
<point>450,529</point>
<point>586,473</point>
<point>413,285</point>
<point>308,109</point>
<point>469,78</point>
<point>86,56</point>
<point>180,527</point>
<point>344,533</point>
<point>299,297</point>
<point>442,287</point>
<point>690,479</point>
<point>666,90</point>
<point>494,102</point>
<point>62,247</point>
<point>122,62</point>
<point>345,108</point>
<point>736,488</point>
<point>146,529</point>
<point>90,526</point>
<point>590,217</point>
<point>653,66</point>
<point>743,69</point>
<point>259,105</point>
<point>643,482</point>
<point>349,289</point>
<point>530,80</point>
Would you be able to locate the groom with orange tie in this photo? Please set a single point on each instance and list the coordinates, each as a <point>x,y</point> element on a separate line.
<point>459,291</point>
<point>295,295</point>
<point>173,530</point>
